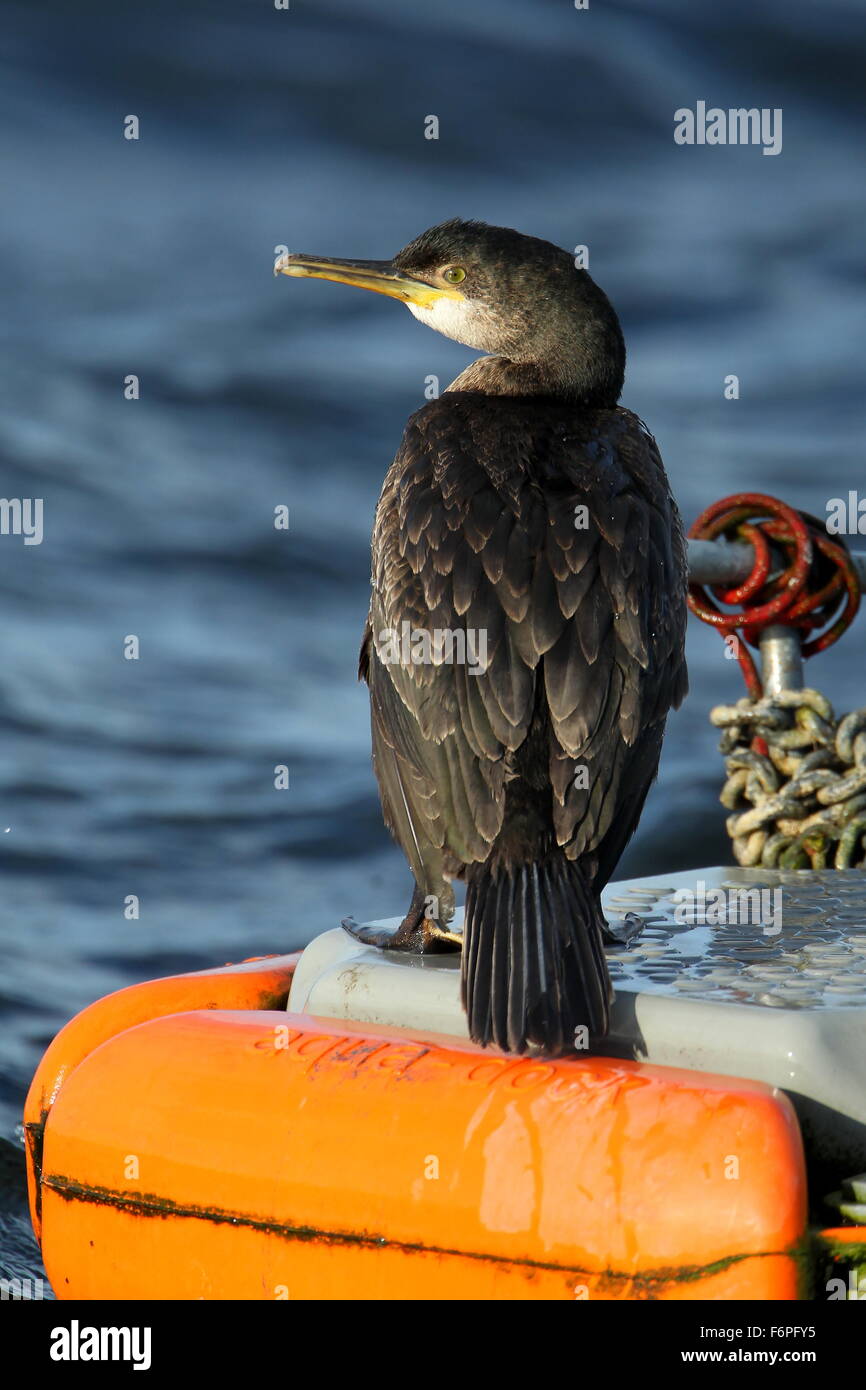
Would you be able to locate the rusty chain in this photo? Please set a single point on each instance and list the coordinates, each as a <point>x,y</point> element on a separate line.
<point>802,804</point>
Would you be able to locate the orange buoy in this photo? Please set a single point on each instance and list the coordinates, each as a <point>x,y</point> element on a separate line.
<point>238,1152</point>
<point>258,983</point>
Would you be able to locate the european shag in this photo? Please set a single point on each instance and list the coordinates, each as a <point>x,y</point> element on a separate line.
<point>526,628</point>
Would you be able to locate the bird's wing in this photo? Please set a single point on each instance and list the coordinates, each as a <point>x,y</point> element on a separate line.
<point>618,666</point>
<point>578,616</point>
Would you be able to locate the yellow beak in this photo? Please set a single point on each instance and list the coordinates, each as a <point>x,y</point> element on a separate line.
<point>381,276</point>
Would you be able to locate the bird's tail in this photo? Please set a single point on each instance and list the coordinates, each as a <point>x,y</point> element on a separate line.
<point>533,965</point>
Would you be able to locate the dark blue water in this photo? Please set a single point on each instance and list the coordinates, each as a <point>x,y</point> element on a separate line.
<point>260,128</point>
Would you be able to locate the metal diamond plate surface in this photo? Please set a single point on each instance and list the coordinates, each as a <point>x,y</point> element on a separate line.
<point>776,939</point>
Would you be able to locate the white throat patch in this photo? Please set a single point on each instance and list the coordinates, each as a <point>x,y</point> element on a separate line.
<point>455,318</point>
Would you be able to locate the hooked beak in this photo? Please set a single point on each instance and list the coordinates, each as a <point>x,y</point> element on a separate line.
<point>381,276</point>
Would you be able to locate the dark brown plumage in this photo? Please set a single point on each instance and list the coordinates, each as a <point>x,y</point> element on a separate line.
<point>527,506</point>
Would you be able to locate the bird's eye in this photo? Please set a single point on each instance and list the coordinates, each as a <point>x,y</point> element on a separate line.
<point>454,274</point>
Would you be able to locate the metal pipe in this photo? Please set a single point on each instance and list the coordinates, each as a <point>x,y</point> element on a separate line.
<point>729,563</point>
<point>781,659</point>
<point>724,562</point>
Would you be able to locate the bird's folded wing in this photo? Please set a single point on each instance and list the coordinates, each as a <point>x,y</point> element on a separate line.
<point>561,584</point>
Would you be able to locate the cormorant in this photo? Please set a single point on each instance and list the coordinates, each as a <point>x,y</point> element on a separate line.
<point>526,628</point>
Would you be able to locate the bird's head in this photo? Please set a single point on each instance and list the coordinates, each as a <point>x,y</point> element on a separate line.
<point>505,293</point>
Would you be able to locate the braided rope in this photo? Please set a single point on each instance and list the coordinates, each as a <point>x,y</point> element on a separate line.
<point>802,804</point>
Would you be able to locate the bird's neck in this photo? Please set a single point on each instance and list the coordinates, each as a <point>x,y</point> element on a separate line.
<point>498,376</point>
<point>591,380</point>
<point>574,352</point>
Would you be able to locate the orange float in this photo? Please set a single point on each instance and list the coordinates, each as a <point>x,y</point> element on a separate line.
<point>258,983</point>
<point>189,1139</point>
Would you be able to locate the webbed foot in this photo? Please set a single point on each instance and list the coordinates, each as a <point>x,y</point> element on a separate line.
<point>417,932</point>
<point>624,931</point>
